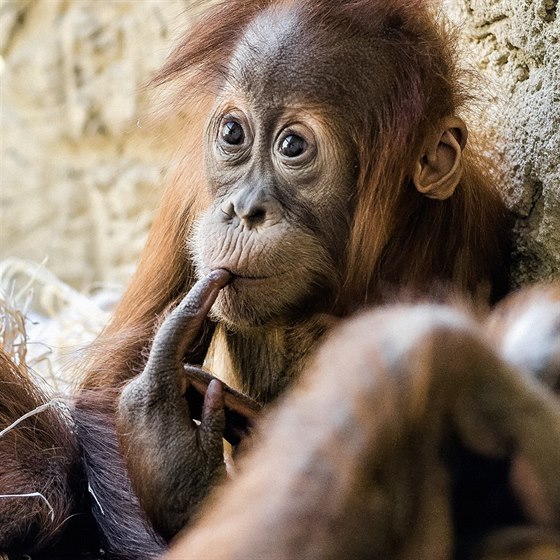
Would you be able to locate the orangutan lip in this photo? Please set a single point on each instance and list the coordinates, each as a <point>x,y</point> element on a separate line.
<point>241,277</point>
<point>237,277</point>
<point>249,278</point>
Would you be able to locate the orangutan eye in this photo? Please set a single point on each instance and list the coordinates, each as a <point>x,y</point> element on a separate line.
<point>292,146</point>
<point>233,133</point>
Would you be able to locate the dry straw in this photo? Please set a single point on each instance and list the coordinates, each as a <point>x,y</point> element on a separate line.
<point>45,323</point>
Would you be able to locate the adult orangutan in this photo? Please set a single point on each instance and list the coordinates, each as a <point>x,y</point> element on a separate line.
<point>327,166</point>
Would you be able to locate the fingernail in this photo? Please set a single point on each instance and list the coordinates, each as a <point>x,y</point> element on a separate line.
<point>220,276</point>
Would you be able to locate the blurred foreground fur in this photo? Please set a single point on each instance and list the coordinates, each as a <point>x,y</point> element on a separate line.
<point>409,437</point>
<point>41,485</point>
<point>43,497</point>
<point>416,433</point>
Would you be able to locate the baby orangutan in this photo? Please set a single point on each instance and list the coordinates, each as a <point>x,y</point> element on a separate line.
<point>326,161</point>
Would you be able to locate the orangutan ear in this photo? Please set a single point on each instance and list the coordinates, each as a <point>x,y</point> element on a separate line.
<point>438,170</point>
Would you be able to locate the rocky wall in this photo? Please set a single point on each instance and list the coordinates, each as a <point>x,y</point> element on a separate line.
<point>515,46</point>
<point>80,170</point>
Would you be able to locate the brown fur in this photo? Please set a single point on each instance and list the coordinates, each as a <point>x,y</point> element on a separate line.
<point>43,454</point>
<point>398,237</point>
<point>39,454</point>
<point>126,532</point>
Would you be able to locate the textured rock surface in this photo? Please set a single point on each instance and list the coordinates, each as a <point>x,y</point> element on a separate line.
<point>80,172</point>
<point>80,175</point>
<point>515,44</point>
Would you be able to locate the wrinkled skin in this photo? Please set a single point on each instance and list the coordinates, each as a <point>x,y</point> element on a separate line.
<point>327,170</point>
<point>178,471</point>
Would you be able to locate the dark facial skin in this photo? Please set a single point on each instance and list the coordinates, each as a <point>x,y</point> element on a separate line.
<point>281,168</point>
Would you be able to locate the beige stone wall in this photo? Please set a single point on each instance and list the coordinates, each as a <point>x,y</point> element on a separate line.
<point>515,45</point>
<point>81,169</point>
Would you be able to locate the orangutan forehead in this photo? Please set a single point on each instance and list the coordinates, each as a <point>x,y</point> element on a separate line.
<point>279,58</point>
<point>270,57</point>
